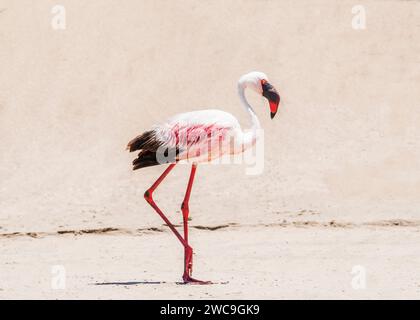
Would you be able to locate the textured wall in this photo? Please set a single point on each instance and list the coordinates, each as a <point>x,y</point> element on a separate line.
<point>344,144</point>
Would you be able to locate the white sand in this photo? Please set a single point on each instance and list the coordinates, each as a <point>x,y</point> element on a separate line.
<point>344,148</point>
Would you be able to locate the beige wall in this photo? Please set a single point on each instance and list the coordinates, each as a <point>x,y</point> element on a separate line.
<point>344,144</point>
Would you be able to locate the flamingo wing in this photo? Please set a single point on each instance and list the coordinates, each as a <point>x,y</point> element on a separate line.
<point>184,136</point>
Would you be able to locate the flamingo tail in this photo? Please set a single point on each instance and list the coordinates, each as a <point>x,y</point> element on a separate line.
<point>150,151</point>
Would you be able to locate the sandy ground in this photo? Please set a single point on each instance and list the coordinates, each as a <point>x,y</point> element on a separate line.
<point>246,262</point>
<point>341,180</point>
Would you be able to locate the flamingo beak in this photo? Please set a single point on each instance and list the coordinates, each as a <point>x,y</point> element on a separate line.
<point>271,94</point>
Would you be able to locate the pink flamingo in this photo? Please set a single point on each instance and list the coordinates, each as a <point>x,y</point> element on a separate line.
<point>200,136</point>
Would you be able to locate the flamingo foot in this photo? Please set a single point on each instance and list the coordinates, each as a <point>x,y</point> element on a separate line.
<point>189,280</point>
<point>188,269</point>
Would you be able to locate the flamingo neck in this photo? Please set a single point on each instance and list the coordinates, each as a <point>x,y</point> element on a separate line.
<point>253,116</point>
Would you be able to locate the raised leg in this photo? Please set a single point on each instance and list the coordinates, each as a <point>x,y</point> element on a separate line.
<point>188,258</point>
<point>148,195</point>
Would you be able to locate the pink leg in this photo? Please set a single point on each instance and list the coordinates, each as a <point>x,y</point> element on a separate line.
<point>148,195</point>
<point>188,259</point>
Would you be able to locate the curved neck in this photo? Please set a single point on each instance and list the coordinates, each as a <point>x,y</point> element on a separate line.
<point>254,119</point>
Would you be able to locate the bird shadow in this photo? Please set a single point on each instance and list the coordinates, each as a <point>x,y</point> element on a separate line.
<point>135,283</point>
<point>126,283</point>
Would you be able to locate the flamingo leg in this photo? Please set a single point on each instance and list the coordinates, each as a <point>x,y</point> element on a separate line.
<point>148,195</point>
<point>188,256</point>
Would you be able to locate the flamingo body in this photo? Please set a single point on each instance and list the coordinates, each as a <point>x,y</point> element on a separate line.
<point>198,136</point>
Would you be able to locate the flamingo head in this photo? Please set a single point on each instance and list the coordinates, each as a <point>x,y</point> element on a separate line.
<point>258,82</point>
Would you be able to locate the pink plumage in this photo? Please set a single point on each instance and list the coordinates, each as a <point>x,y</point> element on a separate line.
<point>198,136</point>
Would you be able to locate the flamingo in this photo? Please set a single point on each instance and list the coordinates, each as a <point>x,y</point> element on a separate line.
<point>199,136</point>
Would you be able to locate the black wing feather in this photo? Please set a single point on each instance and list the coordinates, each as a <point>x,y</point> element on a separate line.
<point>149,146</point>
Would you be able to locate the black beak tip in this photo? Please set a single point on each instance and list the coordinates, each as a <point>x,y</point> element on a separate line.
<point>272,114</point>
